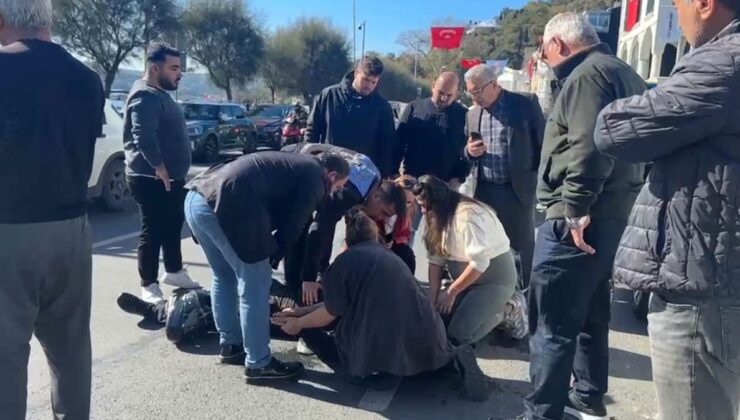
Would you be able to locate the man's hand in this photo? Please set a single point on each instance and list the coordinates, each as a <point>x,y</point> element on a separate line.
<point>296,312</point>
<point>162,174</point>
<point>291,326</point>
<point>476,147</point>
<point>445,302</point>
<point>311,292</point>
<point>578,230</point>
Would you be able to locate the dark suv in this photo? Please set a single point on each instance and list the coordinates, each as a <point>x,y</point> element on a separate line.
<point>216,127</point>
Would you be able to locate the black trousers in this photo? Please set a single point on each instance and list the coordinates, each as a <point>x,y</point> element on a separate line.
<point>162,216</point>
<point>517,219</point>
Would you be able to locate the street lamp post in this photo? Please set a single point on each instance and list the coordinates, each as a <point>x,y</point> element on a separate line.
<point>354,33</point>
<point>363,28</point>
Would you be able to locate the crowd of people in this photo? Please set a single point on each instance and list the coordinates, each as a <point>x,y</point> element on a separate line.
<point>672,231</point>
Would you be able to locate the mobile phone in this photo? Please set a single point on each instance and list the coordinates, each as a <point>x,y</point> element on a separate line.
<point>476,135</point>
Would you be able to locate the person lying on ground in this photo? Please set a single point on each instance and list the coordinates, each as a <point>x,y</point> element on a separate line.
<point>396,230</point>
<point>384,323</point>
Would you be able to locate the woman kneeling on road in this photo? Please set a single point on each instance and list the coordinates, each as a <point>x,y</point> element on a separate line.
<point>465,236</point>
<point>384,323</point>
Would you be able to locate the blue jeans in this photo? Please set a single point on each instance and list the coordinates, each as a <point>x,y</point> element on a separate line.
<point>240,290</point>
<point>695,346</point>
<point>569,313</point>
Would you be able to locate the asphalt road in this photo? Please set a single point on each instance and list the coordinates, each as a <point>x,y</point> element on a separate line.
<point>139,375</point>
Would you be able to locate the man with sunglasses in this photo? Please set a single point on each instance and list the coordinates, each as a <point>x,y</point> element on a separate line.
<point>505,131</point>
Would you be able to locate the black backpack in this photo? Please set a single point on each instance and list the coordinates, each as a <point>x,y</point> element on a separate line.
<point>189,315</point>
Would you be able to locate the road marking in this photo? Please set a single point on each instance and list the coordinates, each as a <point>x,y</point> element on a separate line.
<point>378,401</point>
<point>115,240</point>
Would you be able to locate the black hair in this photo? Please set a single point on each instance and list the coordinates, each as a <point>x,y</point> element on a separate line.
<point>332,162</point>
<point>733,5</point>
<point>371,66</point>
<point>391,193</point>
<point>159,51</point>
<point>360,227</point>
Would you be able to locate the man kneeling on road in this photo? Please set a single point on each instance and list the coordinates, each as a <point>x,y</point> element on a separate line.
<point>309,257</point>
<point>233,209</point>
<point>385,324</point>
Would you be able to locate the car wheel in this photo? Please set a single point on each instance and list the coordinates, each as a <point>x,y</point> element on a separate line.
<point>250,143</point>
<point>211,150</point>
<point>115,194</point>
<point>640,302</point>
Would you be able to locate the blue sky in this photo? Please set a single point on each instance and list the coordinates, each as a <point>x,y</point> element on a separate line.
<point>385,18</point>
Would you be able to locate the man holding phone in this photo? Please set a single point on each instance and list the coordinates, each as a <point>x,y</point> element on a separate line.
<point>505,131</point>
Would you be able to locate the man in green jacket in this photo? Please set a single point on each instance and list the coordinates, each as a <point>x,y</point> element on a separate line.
<point>588,199</point>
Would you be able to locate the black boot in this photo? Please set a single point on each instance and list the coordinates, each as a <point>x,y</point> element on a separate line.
<point>232,354</point>
<point>274,370</point>
<point>133,305</point>
<point>474,380</point>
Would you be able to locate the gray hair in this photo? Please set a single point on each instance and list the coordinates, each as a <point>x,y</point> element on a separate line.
<point>30,15</point>
<point>483,73</point>
<point>572,29</point>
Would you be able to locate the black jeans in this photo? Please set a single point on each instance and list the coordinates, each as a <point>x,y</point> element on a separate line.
<point>569,311</point>
<point>516,218</point>
<point>162,216</point>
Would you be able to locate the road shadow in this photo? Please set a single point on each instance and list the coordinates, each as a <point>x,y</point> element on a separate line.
<point>623,318</point>
<point>629,365</point>
<point>205,346</point>
<point>497,347</point>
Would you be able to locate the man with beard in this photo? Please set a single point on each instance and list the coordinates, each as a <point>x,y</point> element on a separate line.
<point>353,115</point>
<point>431,136</point>
<point>157,161</point>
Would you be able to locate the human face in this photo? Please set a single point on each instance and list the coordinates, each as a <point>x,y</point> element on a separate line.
<point>484,94</point>
<point>376,208</point>
<point>365,84</point>
<point>336,183</point>
<point>444,93</point>
<point>554,52</point>
<point>692,17</point>
<point>169,73</point>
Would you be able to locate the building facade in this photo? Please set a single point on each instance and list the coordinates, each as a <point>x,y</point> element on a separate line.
<point>649,37</point>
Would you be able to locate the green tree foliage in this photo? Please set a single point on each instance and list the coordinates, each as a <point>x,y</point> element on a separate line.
<point>225,39</point>
<point>398,84</point>
<point>306,57</point>
<point>110,32</point>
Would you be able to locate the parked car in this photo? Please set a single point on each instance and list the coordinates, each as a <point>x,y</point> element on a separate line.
<point>217,127</point>
<point>107,183</point>
<point>269,119</point>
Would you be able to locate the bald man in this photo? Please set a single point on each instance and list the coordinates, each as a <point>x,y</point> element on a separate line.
<point>431,133</point>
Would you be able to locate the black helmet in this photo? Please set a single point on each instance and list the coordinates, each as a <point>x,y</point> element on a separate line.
<point>189,315</point>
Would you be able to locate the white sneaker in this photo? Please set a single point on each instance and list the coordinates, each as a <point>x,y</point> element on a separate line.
<point>303,349</point>
<point>180,279</point>
<point>152,294</point>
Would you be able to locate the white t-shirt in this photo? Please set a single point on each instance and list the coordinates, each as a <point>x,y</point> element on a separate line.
<point>475,236</point>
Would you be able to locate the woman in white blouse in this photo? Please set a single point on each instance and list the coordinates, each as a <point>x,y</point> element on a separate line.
<point>465,236</point>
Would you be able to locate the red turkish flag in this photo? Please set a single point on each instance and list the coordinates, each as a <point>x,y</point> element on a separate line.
<point>469,64</point>
<point>633,14</point>
<point>447,38</point>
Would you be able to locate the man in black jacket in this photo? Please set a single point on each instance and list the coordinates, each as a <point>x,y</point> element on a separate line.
<point>308,258</point>
<point>51,113</point>
<point>431,136</point>
<point>233,209</point>
<point>681,242</point>
<point>506,155</point>
<point>353,115</point>
<point>588,197</point>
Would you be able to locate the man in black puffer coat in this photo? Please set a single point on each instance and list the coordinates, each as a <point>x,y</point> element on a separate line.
<point>683,239</point>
